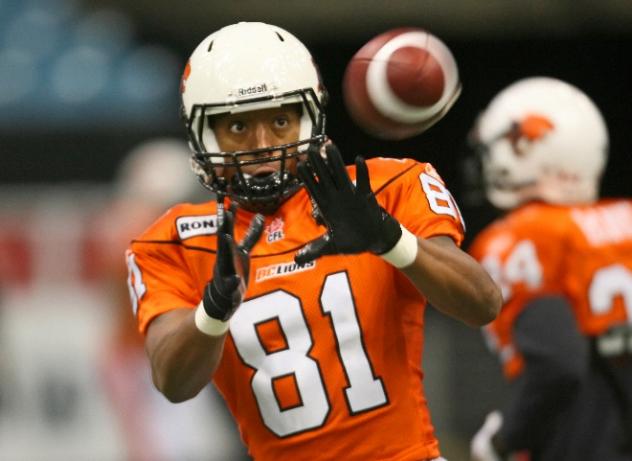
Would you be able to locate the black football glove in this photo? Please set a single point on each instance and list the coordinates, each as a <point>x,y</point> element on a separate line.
<point>355,221</point>
<point>224,293</point>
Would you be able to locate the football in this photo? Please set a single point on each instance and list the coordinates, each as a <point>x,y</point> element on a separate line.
<point>400,83</point>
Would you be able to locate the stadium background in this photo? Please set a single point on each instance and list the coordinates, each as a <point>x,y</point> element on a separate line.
<point>83,82</point>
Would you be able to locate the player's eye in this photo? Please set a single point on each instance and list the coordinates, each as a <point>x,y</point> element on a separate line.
<point>282,121</point>
<point>237,127</point>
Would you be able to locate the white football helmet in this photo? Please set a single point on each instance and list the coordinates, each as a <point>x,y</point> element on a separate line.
<point>243,67</point>
<point>541,139</point>
<point>155,173</point>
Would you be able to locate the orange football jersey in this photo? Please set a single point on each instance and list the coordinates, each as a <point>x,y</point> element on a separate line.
<point>323,361</point>
<point>581,252</point>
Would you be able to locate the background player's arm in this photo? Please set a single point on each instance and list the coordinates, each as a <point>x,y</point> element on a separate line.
<point>556,359</point>
<point>453,282</point>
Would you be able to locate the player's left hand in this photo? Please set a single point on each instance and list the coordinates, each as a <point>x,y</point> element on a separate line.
<point>225,291</point>
<point>355,222</point>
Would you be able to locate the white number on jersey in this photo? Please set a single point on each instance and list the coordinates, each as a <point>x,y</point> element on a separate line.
<point>365,391</point>
<point>607,284</point>
<point>521,266</point>
<point>439,198</point>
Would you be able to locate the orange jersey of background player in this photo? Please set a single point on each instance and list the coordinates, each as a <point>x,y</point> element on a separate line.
<point>320,355</point>
<point>581,252</point>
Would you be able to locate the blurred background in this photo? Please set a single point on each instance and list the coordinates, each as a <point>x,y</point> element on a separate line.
<point>91,151</point>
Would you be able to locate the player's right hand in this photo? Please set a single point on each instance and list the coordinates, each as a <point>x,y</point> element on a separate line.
<point>355,222</point>
<point>225,292</point>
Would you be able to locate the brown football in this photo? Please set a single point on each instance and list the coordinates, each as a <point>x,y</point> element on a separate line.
<point>400,83</point>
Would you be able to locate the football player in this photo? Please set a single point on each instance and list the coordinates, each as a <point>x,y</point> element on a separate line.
<point>563,259</point>
<point>300,291</point>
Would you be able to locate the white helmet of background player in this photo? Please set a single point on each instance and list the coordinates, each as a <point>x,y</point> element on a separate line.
<point>152,173</point>
<point>243,67</point>
<point>543,139</point>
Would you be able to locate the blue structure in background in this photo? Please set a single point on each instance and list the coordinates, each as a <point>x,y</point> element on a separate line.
<point>64,68</point>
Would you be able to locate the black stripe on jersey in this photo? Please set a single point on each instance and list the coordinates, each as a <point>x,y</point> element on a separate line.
<point>394,178</point>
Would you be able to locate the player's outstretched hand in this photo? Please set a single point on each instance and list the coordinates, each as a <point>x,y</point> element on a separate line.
<point>224,293</point>
<point>355,221</point>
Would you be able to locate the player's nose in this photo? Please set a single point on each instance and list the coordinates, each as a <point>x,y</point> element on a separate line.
<point>263,137</point>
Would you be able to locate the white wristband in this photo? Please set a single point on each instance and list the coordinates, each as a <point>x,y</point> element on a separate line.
<point>405,250</point>
<point>208,325</point>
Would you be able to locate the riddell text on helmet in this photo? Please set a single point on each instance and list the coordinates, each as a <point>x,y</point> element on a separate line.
<point>249,91</point>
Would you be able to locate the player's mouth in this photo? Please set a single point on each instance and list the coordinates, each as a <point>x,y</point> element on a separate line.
<point>262,171</point>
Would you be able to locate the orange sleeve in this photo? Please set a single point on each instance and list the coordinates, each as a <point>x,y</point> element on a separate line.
<point>161,277</point>
<point>164,282</point>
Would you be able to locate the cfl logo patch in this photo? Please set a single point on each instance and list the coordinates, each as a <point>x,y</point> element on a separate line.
<point>274,230</point>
